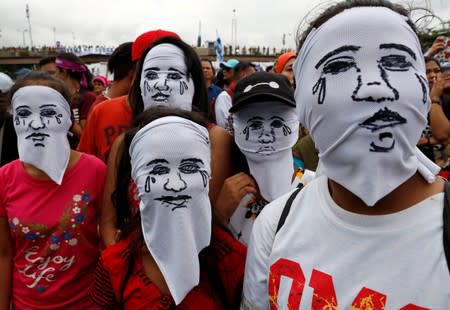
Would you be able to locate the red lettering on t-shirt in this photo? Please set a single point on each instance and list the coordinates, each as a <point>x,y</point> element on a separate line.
<point>290,269</point>
<point>324,296</point>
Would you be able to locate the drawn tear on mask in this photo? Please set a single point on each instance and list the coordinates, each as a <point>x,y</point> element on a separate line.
<point>265,132</point>
<point>423,83</point>
<point>321,86</point>
<point>383,118</point>
<point>162,172</point>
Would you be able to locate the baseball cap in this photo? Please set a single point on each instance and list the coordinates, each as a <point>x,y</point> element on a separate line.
<point>282,60</point>
<point>5,83</point>
<point>230,64</point>
<point>262,86</point>
<point>146,39</point>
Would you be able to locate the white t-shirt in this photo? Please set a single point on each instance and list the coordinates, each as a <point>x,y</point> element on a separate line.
<point>221,107</point>
<point>345,260</point>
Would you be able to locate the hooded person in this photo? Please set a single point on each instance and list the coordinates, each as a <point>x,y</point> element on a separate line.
<point>373,220</point>
<point>49,205</point>
<point>174,226</point>
<point>265,127</point>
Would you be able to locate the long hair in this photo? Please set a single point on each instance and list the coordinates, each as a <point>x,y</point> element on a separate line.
<point>129,221</point>
<point>194,71</point>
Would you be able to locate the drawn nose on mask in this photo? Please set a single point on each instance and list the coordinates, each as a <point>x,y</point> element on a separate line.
<point>175,183</point>
<point>374,88</point>
<point>266,137</point>
<point>37,123</point>
<point>162,86</point>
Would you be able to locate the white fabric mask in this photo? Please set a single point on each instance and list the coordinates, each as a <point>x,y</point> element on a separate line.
<point>170,160</point>
<point>42,120</point>
<point>164,79</point>
<point>265,133</point>
<point>362,94</point>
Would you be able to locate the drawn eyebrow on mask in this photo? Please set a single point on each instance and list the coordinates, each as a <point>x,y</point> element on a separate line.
<point>193,160</point>
<point>255,118</point>
<point>157,161</point>
<point>23,106</point>
<point>398,47</point>
<point>152,68</point>
<point>344,48</point>
<point>47,105</point>
<point>173,69</point>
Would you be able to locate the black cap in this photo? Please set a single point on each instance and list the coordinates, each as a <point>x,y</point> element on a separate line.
<point>262,86</point>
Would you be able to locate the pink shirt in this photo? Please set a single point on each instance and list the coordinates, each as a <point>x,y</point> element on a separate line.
<point>54,230</point>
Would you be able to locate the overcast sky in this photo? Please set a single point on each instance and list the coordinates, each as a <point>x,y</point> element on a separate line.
<point>259,22</point>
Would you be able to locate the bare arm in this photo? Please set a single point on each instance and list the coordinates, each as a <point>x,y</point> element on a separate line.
<point>108,230</point>
<point>221,169</point>
<point>6,263</point>
<point>440,125</point>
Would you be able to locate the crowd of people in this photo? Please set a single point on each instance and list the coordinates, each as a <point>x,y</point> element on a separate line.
<point>316,183</point>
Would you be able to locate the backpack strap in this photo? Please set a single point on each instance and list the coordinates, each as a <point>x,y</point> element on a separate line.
<point>287,207</point>
<point>447,222</point>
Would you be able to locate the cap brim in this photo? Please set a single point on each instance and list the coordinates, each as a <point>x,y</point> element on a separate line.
<point>252,99</point>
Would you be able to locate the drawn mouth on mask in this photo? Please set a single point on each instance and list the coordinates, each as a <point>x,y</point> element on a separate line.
<point>175,201</point>
<point>265,150</point>
<point>37,137</point>
<point>160,97</point>
<point>382,119</point>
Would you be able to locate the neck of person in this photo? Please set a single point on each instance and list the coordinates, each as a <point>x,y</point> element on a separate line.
<point>117,89</point>
<point>41,175</point>
<point>208,83</point>
<point>406,195</point>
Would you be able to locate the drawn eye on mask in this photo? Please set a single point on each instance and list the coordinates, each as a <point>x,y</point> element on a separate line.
<point>173,184</point>
<point>266,132</point>
<point>161,84</point>
<point>38,124</point>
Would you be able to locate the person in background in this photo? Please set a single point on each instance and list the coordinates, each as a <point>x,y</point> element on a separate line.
<point>224,100</point>
<point>437,46</point>
<point>76,75</point>
<point>49,203</point>
<point>265,127</point>
<point>47,64</point>
<point>168,74</point>
<point>8,137</point>
<point>100,83</point>
<point>157,263</point>
<point>228,72</point>
<point>373,220</point>
<point>284,66</point>
<point>209,73</point>
<point>110,118</point>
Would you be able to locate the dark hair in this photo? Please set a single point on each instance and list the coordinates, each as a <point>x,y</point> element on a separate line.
<point>210,63</point>
<point>75,75</point>
<point>44,79</point>
<point>194,72</point>
<point>129,222</point>
<point>432,59</point>
<point>344,5</point>
<point>240,67</point>
<point>120,63</point>
<point>46,60</point>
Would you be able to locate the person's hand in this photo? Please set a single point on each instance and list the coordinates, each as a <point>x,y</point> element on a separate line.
<point>438,46</point>
<point>437,88</point>
<point>233,190</point>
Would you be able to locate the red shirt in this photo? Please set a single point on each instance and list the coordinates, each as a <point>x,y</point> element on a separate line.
<point>105,123</point>
<point>141,293</point>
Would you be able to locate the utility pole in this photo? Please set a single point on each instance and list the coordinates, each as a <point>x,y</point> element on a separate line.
<point>29,25</point>
<point>233,33</point>
<point>199,37</point>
